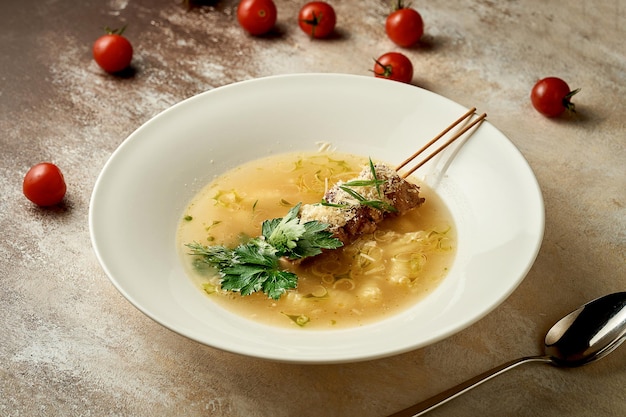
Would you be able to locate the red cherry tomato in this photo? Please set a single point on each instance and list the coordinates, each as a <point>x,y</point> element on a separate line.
<point>44,184</point>
<point>317,19</point>
<point>551,96</point>
<point>394,66</point>
<point>112,51</point>
<point>257,17</point>
<point>404,26</point>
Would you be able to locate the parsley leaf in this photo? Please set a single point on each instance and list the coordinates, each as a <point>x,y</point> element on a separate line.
<point>314,239</point>
<point>296,240</point>
<point>217,256</point>
<point>255,265</point>
<point>247,278</point>
<point>284,233</point>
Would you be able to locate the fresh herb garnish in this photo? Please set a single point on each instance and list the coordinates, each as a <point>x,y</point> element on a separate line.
<point>347,187</point>
<point>375,176</point>
<point>376,204</point>
<point>364,183</point>
<point>374,182</point>
<point>329,204</point>
<point>255,265</point>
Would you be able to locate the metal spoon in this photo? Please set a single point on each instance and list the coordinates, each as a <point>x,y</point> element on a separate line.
<point>583,336</point>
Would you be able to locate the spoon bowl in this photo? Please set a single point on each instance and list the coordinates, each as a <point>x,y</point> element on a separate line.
<point>585,335</point>
<point>588,333</point>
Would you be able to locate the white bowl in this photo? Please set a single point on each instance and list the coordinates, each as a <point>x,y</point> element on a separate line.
<point>143,189</point>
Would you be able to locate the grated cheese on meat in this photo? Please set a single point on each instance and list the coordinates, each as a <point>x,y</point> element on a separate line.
<point>353,219</point>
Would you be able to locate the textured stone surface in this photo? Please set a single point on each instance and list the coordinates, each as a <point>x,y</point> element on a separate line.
<point>71,345</point>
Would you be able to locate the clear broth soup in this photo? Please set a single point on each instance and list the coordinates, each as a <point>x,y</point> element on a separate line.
<point>375,277</point>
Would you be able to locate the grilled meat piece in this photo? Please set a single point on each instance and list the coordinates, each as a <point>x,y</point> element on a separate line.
<point>349,218</point>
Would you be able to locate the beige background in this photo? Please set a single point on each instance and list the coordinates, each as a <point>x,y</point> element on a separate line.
<point>71,345</point>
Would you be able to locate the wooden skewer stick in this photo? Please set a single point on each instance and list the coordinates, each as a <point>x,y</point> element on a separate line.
<point>469,113</point>
<point>445,145</point>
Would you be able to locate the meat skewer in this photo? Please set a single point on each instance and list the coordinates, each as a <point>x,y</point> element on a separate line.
<point>350,216</point>
<point>354,208</point>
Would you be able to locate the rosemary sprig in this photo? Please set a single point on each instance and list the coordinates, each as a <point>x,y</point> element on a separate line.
<point>364,183</point>
<point>376,204</point>
<point>374,182</point>
<point>329,204</point>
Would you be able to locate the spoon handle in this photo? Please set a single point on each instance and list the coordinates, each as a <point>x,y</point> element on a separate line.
<point>435,401</point>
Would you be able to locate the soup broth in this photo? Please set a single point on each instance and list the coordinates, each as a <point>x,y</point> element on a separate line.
<point>378,275</point>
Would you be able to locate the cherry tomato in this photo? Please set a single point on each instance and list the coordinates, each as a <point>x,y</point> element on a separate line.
<point>112,51</point>
<point>317,19</point>
<point>44,184</point>
<point>257,17</point>
<point>394,66</point>
<point>404,26</point>
<point>551,96</point>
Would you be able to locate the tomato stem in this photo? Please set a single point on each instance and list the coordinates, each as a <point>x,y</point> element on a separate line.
<point>398,5</point>
<point>567,100</point>
<point>110,31</point>
<point>387,69</point>
<point>314,22</point>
